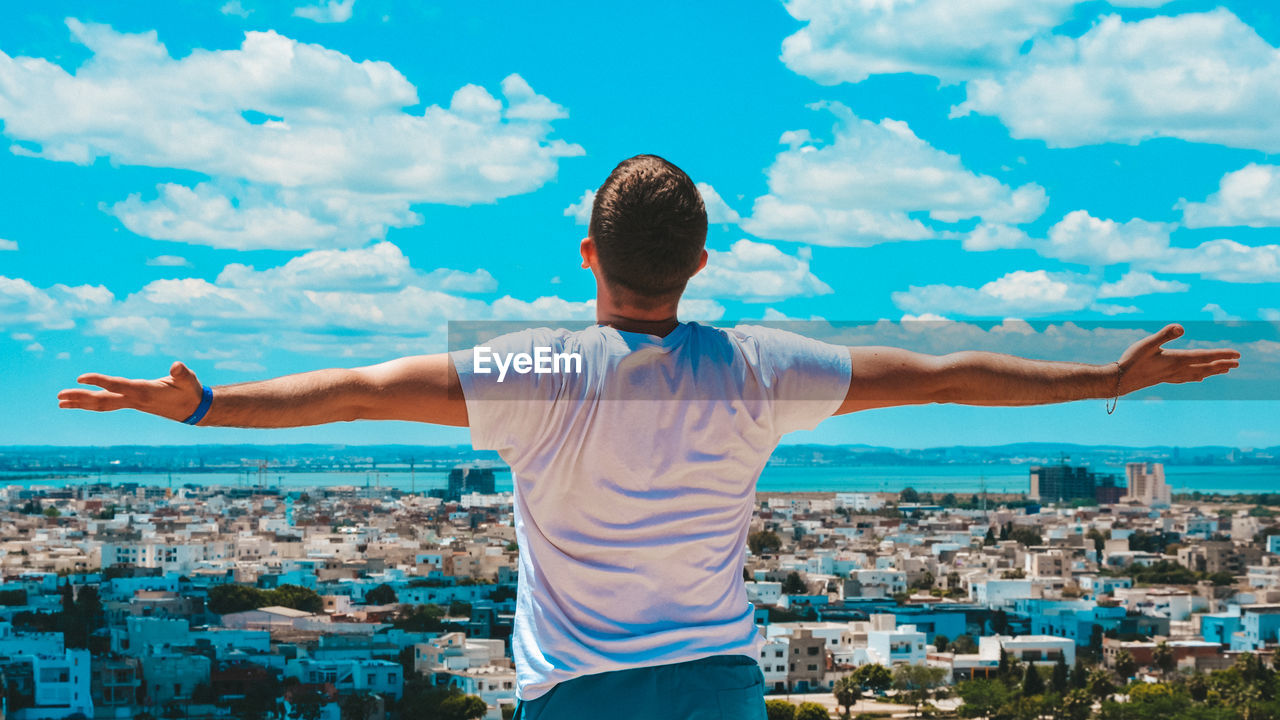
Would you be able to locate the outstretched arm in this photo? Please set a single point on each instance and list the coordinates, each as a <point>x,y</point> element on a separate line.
<point>885,376</point>
<point>423,388</point>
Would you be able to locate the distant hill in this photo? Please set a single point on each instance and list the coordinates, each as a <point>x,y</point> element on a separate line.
<point>329,457</point>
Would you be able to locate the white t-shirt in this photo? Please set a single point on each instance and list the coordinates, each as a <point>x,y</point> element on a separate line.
<point>635,485</point>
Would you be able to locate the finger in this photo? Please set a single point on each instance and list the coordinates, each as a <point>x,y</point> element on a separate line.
<point>112,383</point>
<point>1204,355</point>
<point>179,371</point>
<point>1196,373</point>
<point>1172,331</point>
<point>96,400</point>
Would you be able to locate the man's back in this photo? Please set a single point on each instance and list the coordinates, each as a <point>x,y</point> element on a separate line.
<point>635,484</point>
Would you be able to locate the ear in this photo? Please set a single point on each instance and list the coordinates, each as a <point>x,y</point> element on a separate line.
<point>702,262</point>
<point>588,250</point>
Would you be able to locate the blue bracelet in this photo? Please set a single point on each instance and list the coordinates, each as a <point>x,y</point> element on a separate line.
<point>206,399</point>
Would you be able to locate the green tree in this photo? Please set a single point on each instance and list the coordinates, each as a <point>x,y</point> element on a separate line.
<point>917,682</point>
<point>52,512</point>
<point>419,618</point>
<point>359,706</point>
<point>779,710</point>
<point>1163,658</point>
<point>793,585</point>
<point>381,595</point>
<point>909,495</point>
<point>764,542</point>
<point>941,642</point>
<point>964,645</point>
<point>873,678</point>
<point>812,711</point>
<point>1000,622</point>
<point>1079,675</point>
<point>296,597</point>
<point>1126,666</point>
<point>1076,705</point>
<point>1061,672</point>
<point>1032,683</point>
<point>981,698</point>
<point>1099,540</point>
<point>232,598</point>
<point>463,707</point>
<point>1100,685</point>
<point>846,691</point>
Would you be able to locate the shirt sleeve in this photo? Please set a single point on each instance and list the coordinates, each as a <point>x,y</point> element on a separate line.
<point>809,379</point>
<point>506,411</point>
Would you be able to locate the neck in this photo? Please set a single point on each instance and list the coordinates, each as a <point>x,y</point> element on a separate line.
<point>611,311</point>
<point>630,322</point>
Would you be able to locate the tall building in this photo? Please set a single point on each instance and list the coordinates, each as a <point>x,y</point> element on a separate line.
<point>1064,483</point>
<point>1060,483</point>
<point>1147,485</point>
<point>465,479</point>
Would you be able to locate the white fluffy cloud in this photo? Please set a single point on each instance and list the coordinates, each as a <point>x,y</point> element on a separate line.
<point>1019,293</point>
<point>1134,283</point>
<point>756,272</point>
<point>1080,237</point>
<point>306,146</point>
<point>168,261</point>
<point>327,11</point>
<point>25,305</point>
<point>995,236</point>
<point>360,303</point>
<point>861,188</point>
<point>718,211</point>
<point>847,40</point>
<point>234,7</point>
<point>580,211</point>
<point>8,245</point>
<point>1141,244</point>
<point>1224,260</point>
<point>1248,196</point>
<point>1202,77</point>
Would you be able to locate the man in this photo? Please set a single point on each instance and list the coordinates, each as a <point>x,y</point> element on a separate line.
<point>635,473</point>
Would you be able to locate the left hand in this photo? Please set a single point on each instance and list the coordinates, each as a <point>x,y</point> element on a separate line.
<point>1148,363</point>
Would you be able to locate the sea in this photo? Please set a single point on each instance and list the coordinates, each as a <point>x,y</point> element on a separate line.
<point>947,478</point>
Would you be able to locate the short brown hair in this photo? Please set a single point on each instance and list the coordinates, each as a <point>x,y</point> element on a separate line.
<point>649,226</point>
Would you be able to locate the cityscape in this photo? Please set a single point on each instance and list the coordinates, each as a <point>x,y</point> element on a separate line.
<point>1090,586</point>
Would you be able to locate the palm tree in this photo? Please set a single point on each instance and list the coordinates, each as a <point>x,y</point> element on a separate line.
<point>1126,666</point>
<point>1163,658</point>
<point>847,691</point>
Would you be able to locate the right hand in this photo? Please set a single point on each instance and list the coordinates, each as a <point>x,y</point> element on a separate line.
<point>174,397</point>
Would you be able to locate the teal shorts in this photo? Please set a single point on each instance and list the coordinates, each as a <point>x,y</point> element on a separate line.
<point>724,687</point>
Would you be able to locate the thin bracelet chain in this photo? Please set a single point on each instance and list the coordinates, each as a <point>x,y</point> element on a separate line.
<point>1115,396</point>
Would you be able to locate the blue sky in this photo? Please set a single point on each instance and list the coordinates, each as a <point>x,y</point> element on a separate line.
<point>264,188</point>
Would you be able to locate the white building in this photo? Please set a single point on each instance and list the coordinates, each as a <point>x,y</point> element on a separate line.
<point>773,663</point>
<point>859,502</point>
<point>889,645</point>
<point>764,593</point>
<point>60,685</point>
<point>380,677</point>
<point>456,652</point>
<point>1147,485</point>
<point>1038,649</point>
